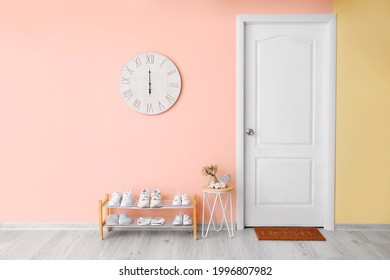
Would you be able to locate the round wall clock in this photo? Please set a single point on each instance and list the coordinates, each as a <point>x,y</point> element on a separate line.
<point>150,83</point>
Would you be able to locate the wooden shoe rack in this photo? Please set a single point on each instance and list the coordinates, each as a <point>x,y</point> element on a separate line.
<point>104,211</point>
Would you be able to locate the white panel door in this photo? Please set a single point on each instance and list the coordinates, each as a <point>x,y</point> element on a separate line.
<point>285,68</point>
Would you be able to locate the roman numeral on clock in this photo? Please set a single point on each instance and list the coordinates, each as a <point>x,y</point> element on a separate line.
<point>137,104</point>
<point>149,58</point>
<point>125,80</point>
<point>171,72</point>
<point>174,85</point>
<point>128,94</point>
<point>130,71</point>
<point>149,108</point>
<point>138,62</point>
<point>161,106</point>
<point>169,98</point>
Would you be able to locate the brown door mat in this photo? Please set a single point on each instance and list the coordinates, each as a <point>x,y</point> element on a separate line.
<point>289,233</point>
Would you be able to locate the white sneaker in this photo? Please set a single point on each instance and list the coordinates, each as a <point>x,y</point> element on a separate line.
<point>127,200</point>
<point>124,220</point>
<point>178,221</point>
<point>156,201</point>
<point>185,199</point>
<point>143,201</point>
<point>158,221</point>
<point>186,220</point>
<point>115,200</point>
<point>176,200</point>
<point>112,220</point>
<point>144,221</point>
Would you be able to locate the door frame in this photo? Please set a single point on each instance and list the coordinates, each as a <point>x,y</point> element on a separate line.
<point>330,106</point>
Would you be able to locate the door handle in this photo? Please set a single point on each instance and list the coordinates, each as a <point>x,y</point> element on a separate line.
<point>250,131</point>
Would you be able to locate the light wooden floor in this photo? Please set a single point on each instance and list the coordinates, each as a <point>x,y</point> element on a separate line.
<point>85,244</point>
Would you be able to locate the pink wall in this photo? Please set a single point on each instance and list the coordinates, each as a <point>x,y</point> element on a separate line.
<point>66,135</point>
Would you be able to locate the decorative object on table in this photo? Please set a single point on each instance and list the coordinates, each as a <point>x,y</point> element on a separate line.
<point>218,185</point>
<point>210,170</point>
<point>150,83</point>
<point>225,178</point>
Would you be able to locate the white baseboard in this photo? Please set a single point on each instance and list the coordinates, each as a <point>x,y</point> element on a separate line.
<point>362,227</point>
<point>48,226</point>
<point>72,226</point>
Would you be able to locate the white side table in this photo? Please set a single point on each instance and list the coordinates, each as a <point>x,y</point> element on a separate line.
<point>227,192</point>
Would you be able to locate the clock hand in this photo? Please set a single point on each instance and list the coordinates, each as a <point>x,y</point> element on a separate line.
<point>150,90</point>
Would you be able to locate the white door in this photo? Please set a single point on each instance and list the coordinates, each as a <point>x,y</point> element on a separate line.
<point>286,68</point>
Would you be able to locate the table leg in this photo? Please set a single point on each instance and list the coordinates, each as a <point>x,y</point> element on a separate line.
<point>203,206</point>
<point>231,214</point>
<point>224,204</point>
<point>224,218</point>
<point>211,210</point>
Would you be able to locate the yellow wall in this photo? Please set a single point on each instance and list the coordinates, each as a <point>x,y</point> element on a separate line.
<point>363,111</point>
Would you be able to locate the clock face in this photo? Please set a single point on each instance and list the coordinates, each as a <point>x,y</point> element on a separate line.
<point>150,83</point>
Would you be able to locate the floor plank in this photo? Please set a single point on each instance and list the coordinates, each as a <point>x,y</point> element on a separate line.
<point>153,245</point>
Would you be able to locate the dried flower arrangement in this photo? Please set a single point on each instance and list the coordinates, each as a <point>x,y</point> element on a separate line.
<point>209,170</point>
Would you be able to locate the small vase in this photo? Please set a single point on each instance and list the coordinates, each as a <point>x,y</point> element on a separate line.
<point>213,179</point>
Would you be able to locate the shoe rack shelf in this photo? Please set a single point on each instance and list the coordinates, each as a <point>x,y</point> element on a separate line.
<point>105,210</point>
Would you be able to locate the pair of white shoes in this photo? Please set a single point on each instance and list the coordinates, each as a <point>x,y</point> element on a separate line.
<point>181,199</point>
<point>145,201</point>
<point>118,219</point>
<point>180,219</point>
<point>121,200</point>
<point>145,221</point>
